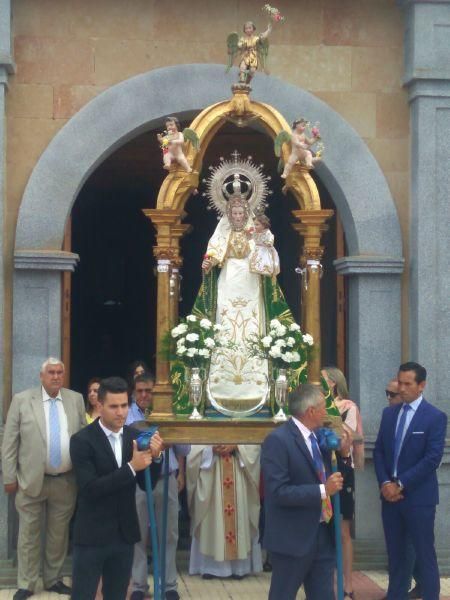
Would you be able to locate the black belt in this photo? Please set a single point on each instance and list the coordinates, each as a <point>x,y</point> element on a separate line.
<point>56,474</point>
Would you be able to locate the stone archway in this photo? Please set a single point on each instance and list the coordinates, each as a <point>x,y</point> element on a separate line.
<point>349,171</point>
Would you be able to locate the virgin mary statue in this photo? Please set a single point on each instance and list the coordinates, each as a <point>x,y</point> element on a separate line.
<point>239,292</point>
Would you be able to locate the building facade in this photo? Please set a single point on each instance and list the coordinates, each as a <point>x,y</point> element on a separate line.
<point>79,80</point>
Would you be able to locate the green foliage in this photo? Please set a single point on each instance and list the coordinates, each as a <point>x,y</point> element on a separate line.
<point>262,50</point>
<point>232,45</point>
<point>283,137</point>
<point>191,136</point>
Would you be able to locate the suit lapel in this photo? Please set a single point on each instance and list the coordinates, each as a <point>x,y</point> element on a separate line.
<point>104,444</point>
<point>416,417</point>
<point>68,409</point>
<point>391,432</point>
<point>37,406</point>
<point>127,445</point>
<point>300,441</point>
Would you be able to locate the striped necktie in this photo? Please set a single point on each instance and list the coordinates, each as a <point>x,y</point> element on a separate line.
<point>327,509</point>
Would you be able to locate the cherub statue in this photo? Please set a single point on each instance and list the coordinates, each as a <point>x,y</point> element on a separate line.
<point>300,145</point>
<point>252,48</point>
<point>253,51</point>
<point>171,142</point>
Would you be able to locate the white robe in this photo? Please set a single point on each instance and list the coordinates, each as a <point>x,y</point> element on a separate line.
<point>224,512</point>
<point>237,381</point>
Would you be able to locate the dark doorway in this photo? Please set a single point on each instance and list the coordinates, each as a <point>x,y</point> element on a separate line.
<point>114,285</point>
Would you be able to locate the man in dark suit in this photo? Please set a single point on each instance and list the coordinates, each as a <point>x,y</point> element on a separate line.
<point>407,453</point>
<point>106,461</point>
<point>297,501</point>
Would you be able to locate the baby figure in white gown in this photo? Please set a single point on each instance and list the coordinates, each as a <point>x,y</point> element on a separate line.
<point>264,259</point>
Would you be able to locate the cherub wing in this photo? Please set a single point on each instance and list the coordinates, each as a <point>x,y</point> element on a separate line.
<point>191,136</point>
<point>262,48</point>
<point>233,49</point>
<point>284,137</point>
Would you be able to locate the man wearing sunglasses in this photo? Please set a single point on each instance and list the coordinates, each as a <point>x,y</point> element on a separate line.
<point>392,393</point>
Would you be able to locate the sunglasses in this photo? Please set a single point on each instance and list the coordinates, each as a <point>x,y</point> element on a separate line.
<point>390,394</point>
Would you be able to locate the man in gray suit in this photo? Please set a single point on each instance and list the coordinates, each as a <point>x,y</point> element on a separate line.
<point>36,464</point>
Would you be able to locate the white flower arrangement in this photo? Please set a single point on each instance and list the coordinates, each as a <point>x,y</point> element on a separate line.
<point>194,339</point>
<point>284,345</point>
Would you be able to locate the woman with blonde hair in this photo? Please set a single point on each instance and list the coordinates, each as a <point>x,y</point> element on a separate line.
<point>351,419</point>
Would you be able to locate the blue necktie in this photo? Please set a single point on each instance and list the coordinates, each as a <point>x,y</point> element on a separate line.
<point>399,436</point>
<point>54,434</point>
<point>317,459</point>
<point>327,509</point>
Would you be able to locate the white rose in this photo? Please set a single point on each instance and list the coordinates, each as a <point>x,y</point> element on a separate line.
<point>218,327</point>
<point>267,341</point>
<point>181,341</point>
<point>280,343</point>
<point>179,330</point>
<point>191,352</point>
<point>192,337</point>
<point>274,323</point>
<point>275,352</point>
<point>294,327</point>
<point>209,342</point>
<point>191,318</point>
<point>308,339</point>
<point>205,323</point>
<point>290,342</point>
<point>295,357</point>
<point>204,352</point>
<point>287,357</point>
<point>281,330</point>
<point>181,350</point>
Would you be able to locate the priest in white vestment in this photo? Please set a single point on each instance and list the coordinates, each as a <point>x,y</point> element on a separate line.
<point>224,505</point>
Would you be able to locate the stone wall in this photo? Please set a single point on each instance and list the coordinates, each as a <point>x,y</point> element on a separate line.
<point>348,53</point>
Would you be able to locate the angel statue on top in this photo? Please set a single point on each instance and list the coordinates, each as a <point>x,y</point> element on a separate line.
<point>252,49</point>
<point>239,293</point>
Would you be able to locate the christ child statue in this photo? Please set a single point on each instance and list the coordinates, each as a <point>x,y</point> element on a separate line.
<point>300,146</point>
<point>264,258</point>
<point>171,142</point>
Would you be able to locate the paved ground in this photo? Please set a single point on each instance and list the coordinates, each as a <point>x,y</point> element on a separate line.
<point>369,585</point>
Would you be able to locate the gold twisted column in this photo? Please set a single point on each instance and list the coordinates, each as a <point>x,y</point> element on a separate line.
<point>169,230</point>
<point>312,225</point>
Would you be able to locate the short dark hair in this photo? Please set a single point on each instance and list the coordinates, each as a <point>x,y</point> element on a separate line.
<point>297,121</point>
<point>174,120</point>
<point>263,219</point>
<point>421,372</point>
<point>143,378</point>
<point>111,385</point>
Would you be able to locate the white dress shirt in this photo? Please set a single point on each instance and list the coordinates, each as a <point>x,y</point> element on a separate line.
<point>414,405</point>
<point>66,463</point>
<point>116,441</point>
<point>306,433</point>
